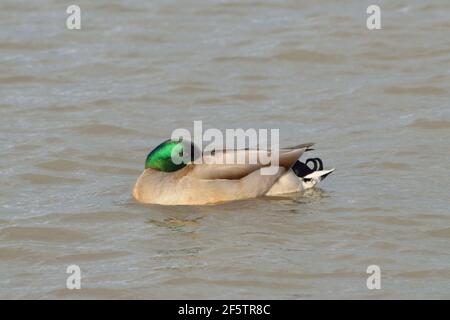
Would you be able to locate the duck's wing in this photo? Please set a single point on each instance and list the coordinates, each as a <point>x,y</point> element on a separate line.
<point>215,166</point>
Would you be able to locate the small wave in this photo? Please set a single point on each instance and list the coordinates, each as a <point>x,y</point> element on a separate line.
<point>26,79</point>
<point>190,88</point>
<point>310,56</point>
<point>92,256</point>
<point>249,97</point>
<point>242,59</point>
<point>60,165</point>
<point>46,179</point>
<point>426,274</point>
<point>103,129</point>
<point>417,90</point>
<point>390,220</point>
<point>387,165</point>
<point>440,233</point>
<point>44,234</point>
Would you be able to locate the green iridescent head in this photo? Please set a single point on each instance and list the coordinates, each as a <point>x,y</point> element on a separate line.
<point>167,157</point>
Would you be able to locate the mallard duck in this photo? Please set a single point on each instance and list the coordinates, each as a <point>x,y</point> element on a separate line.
<point>164,182</point>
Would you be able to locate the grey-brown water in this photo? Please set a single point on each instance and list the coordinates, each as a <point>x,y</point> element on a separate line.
<point>80,109</point>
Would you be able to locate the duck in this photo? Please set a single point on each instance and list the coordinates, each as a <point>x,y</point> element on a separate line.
<point>165,182</point>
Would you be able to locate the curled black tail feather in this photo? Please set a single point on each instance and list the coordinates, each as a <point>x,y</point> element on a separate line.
<point>302,169</point>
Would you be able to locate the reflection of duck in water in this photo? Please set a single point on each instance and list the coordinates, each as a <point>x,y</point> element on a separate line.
<point>164,182</point>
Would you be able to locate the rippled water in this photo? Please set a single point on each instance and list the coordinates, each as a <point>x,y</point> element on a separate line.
<point>81,109</point>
